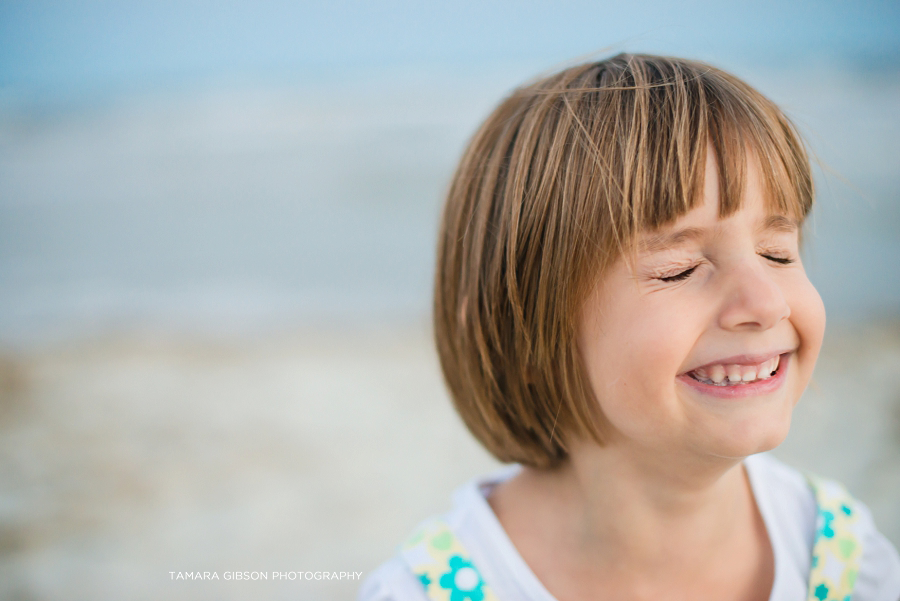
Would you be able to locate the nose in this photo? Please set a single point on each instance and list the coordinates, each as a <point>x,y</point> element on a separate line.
<point>755,300</point>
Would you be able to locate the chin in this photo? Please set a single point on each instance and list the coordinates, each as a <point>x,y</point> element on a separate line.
<point>752,438</point>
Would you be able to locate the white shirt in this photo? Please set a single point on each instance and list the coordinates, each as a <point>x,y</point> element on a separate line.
<point>784,498</point>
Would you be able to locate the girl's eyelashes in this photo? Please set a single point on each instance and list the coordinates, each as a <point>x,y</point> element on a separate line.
<point>679,276</point>
<point>779,260</point>
<point>774,256</point>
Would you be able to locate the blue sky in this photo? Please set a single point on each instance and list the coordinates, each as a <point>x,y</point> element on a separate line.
<point>64,43</point>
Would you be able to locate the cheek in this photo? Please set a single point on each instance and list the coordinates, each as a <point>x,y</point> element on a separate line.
<point>808,317</point>
<point>633,372</point>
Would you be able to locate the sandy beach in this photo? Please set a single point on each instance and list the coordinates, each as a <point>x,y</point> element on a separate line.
<point>132,458</point>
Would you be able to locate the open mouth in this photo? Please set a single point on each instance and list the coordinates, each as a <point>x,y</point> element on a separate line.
<point>728,375</point>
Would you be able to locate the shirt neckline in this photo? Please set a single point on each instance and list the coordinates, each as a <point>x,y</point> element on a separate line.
<point>530,587</point>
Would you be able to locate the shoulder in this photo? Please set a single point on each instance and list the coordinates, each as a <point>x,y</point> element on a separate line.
<point>392,581</point>
<point>844,524</point>
<point>469,522</point>
<point>792,514</point>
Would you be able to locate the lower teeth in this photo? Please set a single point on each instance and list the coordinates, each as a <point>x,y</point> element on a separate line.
<point>725,382</point>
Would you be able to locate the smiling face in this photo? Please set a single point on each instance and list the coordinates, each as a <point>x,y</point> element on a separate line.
<point>681,347</point>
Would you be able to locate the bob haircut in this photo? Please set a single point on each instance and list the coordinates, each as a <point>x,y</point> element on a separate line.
<point>551,191</point>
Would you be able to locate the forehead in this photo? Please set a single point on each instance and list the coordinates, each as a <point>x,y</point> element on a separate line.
<point>705,220</point>
<point>713,208</point>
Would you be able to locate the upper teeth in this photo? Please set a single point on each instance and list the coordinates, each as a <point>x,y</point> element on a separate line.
<point>738,373</point>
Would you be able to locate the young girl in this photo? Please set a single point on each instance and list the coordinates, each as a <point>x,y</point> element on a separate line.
<point>621,311</point>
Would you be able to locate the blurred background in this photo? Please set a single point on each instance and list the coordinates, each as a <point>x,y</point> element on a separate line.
<point>217,228</point>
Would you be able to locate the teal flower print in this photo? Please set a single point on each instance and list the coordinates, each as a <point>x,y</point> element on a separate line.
<point>826,518</point>
<point>463,581</point>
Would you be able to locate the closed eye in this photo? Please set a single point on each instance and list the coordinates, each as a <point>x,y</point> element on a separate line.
<point>680,276</point>
<point>779,260</point>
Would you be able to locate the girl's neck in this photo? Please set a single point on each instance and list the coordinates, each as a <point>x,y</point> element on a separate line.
<point>614,518</point>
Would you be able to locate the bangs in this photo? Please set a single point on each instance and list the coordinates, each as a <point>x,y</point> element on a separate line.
<point>759,132</point>
<point>646,126</point>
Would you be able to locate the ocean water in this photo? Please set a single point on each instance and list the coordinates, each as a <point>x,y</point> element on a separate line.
<point>236,206</point>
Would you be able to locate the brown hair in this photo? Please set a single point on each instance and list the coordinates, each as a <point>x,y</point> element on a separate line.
<point>551,190</point>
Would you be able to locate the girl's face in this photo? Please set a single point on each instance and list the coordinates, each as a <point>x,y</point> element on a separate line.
<point>681,347</point>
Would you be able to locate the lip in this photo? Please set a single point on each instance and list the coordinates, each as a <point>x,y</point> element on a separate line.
<point>741,360</point>
<point>758,388</point>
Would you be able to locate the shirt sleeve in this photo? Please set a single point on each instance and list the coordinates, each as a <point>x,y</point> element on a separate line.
<point>879,570</point>
<point>392,581</point>
<point>789,508</point>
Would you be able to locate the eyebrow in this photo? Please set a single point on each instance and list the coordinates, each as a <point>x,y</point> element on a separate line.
<point>780,223</point>
<point>663,240</point>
